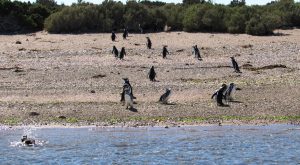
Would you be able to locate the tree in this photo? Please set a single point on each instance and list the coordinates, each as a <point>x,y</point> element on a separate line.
<point>190,2</point>
<point>235,3</point>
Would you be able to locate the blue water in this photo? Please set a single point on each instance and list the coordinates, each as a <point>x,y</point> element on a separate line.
<point>274,144</point>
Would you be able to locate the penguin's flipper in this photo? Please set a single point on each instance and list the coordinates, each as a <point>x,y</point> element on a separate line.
<point>215,94</point>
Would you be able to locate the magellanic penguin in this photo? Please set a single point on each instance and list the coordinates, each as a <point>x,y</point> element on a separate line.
<point>165,97</point>
<point>126,83</point>
<point>141,29</point>
<point>113,36</point>
<point>115,51</point>
<point>196,53</point>
<point>152,74</point>
<point>235,65</point>
<point>165,51</point>
<point>220,95</point>
<point>229,92</point>
<point>125,33</point>
<point>122,53</point>
<point>149,43</point>
<point>27,141</point>
<point>128,97</point>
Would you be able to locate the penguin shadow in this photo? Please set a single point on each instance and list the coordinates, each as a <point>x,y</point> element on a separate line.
<point>155,81</point>
<point>133,109</point>
<point>167,103</point>
<point>225,106</point>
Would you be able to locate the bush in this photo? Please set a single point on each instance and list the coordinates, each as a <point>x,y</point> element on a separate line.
<point>263,25</point>
<point>190,16</point>
<point>192,20</point>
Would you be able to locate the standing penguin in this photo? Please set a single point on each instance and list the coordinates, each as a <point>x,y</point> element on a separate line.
<point>165,97</point>
<point>141,29</point>
<point>115,51</point>
<point>235,65</point>
<point>122,53</point>
<point>125,33</point>
<point>149,43</point>
<point>113,36</point>
<point>128,97</point>
<point>220,95</point>
<point>126,83</point>
<point>165,52</point>
<point>196,53</point>
<point>152,74</point>
<point>229,92</point>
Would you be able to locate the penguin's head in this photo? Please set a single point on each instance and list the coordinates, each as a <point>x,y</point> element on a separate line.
<point>126,79</point>
<point>224,85</point>
<point>231,84</point>
<point>24,138</point>
<point>232,58</point>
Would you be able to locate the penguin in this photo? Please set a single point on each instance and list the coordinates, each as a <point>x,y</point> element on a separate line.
<point>128,97</point>
<point>229,91</point>
<point>27,141</point>
<point>113,36</point>
<point>235,65</point>
<point>165,52</point>
<point>126,83</point>
<point>141,29</point>
<point>125,33</point>
<point>196,53</point>
<point>149,43</point>
<point>165,97</point>
<point>122,53</point>
<point>220,95</point>
<point>115,51</point>
<point>152,74</point>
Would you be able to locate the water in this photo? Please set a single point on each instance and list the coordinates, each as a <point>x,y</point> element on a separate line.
<point>274,144</point>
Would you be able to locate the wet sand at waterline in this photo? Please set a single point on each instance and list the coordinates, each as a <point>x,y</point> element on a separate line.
<point>75,79</point>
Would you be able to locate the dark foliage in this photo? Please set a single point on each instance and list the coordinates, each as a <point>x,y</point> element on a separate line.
<point>190,16</point>
<point>23,17</point>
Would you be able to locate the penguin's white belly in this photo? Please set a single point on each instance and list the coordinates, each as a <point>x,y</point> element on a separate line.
<point>128,100</point>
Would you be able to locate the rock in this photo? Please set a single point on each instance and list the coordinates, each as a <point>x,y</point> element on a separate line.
<point>166,126</point>
<point>62,117</point>
<point>180,50</point>
<point>93,91</point>
<point>18,42</point>
<point>99,76</point>
<point>247,46</point>
<point>18,70</point>
<point>33,114</point>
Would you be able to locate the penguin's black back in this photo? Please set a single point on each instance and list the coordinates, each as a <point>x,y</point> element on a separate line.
<point>152,74</point>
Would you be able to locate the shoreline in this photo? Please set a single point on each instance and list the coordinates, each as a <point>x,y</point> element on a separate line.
<point>141,126</point>
<point>167,124</point>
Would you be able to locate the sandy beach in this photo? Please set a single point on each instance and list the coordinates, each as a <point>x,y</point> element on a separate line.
<point>75,79</point>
